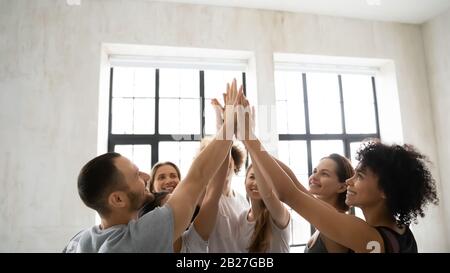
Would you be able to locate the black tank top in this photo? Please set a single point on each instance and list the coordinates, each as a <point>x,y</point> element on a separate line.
<point>317,247</point>
<point>398,243</point>
<point>393,242</point>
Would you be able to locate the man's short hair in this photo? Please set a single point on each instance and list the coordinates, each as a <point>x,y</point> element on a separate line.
<point>97,179</point>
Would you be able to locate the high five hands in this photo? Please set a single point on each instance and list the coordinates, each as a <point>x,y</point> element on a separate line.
<point>237,116</point>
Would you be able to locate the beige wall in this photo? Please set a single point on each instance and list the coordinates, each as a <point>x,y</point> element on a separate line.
<point>436,37</point>
<point>49,88</point>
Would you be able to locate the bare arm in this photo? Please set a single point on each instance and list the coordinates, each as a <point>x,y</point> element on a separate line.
<point>205,221</point>
<point>291,174</point>
<point>276,173</point>
<point>347,230</point>
<point>205,165</point>
<point>280,215</point>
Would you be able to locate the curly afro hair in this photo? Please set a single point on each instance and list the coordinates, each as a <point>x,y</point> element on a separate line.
<point>403,176</point>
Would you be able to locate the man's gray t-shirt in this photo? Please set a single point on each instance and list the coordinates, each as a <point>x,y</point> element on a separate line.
<point>153,232</point>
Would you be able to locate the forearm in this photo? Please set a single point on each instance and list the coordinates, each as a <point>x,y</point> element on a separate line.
<point>206,219</point>
<point>269,168</point>
<point>277,210</point>
<point>186,194</point>
<point>347,230</point>
<point>207,163</point>
<point>291,174</point>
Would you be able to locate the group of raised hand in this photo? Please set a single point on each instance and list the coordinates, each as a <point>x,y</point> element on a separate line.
<point>237,114</point>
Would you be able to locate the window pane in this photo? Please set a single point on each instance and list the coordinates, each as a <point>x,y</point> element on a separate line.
<point>123,80</point>
<point>144,82</point>
<point>141,155</point>
<point>179,116</point>
<point>122,116</point>
<point>216,82</point>
<point>282,120</point>
<point>123,111</point>
<point>301,229</point>
<point>181,153</point>
<point>125,150</point>
<point>290,104</point>
<point>322,148</point>
<point>133,82</point>
<point>179,83</point>
<point>294,154</point>
<point>144,116</point>
<point>354,146</point>
<point>359,104</point>
<point>296,117</point>
<point>324,103</point>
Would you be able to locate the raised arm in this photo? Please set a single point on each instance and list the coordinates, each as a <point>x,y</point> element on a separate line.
<point>206,219</point>
<point>280,215</point>
<point>291,174</point>
<point>269,168</point>
<point>347,230</point>
<point>205,165</point>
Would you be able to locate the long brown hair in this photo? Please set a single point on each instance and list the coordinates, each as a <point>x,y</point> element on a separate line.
<point>155,169</point>
<point>262,234</point>
<point>344,171</point>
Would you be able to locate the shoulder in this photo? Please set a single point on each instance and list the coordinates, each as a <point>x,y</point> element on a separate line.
<point>158,216</point>
<point>153,232</point>
<point>280,228</point>
<point>158,220</point>
<point>74,242</point>
<point>395,242</point>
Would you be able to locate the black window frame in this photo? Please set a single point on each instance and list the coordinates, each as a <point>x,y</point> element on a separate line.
<point>344,136</point>
<point>154,139</point>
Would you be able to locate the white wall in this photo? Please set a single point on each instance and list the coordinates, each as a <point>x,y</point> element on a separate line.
<point>50,57</point>
<point>436,37</point>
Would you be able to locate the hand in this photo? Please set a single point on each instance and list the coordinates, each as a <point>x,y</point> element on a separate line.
<point>245,120</point>
<point>232,98</point>
<point>219,110</point>
<point>231,95</point>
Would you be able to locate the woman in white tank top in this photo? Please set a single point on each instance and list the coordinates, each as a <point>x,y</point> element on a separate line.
<point>265,226</point>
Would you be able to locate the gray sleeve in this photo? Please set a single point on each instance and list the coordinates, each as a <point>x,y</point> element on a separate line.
<point>192,242</point>
<point>72,246</point>
<point>153,232</point>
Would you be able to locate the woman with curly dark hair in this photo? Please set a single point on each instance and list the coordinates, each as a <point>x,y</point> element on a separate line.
<point>392,185</point>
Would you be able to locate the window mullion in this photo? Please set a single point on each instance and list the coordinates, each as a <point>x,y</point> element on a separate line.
<point>202,103</point>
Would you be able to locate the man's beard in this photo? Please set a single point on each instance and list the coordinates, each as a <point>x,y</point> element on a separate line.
<point>138,200</point>
<point>151,204</point>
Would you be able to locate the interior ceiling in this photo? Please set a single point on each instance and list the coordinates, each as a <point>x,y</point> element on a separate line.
<point>404,11</point>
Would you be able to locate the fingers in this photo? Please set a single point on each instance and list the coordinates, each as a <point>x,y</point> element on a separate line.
<point>239,97</point>
<point>231,94</point>
<point>216,103</point>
